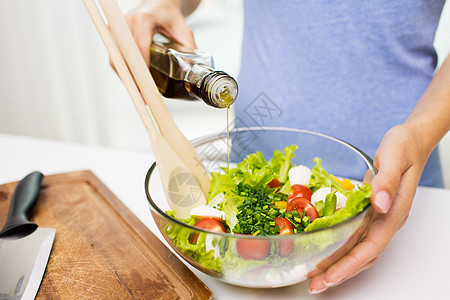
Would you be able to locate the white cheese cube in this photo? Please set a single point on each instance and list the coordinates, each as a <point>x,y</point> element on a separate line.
<point>321,193</point>
<point>300,175</point>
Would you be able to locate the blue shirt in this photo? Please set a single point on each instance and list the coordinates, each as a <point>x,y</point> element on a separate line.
<point>349,69</point>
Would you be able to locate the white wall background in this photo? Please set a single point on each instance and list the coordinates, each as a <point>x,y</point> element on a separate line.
<point>55,80</point>
<point>442,44</point>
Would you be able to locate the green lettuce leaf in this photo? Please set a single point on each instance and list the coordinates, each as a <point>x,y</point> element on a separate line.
<point>221,183</point>
<point>330,204</point>
<point>319,205</point>
<point>320,178</point>
<point>316,242</point>
<point>235,266</point>
<point>357,200</point>
<point>286,188</point>
<point>254,171</point>
<point>229,206</point>
<point>225,183</point>
<point>281,162</point>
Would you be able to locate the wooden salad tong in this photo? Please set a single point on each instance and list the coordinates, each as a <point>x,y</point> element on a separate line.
<point>175,156</point>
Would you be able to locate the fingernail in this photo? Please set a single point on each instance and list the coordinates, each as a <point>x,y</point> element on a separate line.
<point>383,201</point>
<point>317,291</point>
<point>331,284</point>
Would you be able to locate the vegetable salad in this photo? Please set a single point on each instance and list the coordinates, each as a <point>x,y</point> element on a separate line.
<point>248,198</point>
<point>264,198</point>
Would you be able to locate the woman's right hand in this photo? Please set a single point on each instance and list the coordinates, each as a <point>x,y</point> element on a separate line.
<point>159,16</point>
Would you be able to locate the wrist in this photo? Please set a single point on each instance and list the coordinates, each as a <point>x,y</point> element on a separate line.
<point>419,138</point>
<point>426,134</point>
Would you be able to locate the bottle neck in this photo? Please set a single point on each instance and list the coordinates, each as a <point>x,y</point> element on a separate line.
<point>215,88</point>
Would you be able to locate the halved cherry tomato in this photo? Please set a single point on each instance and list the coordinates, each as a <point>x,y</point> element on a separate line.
<point>209,224</point>
<point>298,190</point>
<point>274,183</point>
<point>286,247</point>
<point>256,249</point>
<point>301,204</point>
<point>285,227</point>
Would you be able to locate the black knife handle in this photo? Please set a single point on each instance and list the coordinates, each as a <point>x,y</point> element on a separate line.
<point>23,200</point>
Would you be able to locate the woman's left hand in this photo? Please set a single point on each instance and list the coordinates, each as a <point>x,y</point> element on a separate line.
<point>399,160</point>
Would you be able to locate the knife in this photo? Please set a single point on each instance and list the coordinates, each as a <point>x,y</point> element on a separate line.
<point>24,247</point>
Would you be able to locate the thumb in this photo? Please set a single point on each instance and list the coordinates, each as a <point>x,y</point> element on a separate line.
<point>385,184</point>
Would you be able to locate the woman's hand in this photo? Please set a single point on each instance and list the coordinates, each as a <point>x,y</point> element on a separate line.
<point>162,16</point>
<point>399,160</point>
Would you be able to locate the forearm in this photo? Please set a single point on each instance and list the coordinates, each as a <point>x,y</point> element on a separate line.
<point>430,118</point>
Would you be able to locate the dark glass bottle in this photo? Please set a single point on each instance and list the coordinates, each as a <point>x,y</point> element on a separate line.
<point>190,75</point>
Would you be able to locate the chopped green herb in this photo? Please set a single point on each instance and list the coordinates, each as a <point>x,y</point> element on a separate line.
<point>255,214</point>
<point>298,221</point>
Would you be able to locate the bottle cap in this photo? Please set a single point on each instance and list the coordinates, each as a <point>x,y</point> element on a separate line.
<point>219,89</point>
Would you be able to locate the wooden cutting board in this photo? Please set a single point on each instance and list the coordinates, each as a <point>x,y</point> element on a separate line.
<point>101,249</point>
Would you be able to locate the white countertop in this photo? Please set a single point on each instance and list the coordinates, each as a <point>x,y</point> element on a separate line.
<point>415,265</point>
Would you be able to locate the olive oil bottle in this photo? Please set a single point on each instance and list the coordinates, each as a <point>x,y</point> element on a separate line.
<point>190,75</point>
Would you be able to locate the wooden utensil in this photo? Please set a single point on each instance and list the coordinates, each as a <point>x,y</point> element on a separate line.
<point>152,97</point>
<point>184,178</point>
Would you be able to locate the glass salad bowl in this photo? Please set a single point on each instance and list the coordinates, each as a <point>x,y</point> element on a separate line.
<point>265,261</point>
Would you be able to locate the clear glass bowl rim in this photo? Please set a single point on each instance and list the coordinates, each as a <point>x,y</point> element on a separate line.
<point>212,137</point>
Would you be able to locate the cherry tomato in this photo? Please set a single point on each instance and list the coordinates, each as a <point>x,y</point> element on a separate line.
<point>256,249</point>
<point>274,183</point>
<point>286,247</point>
<point>285,227</point>
<point>209,224</point>
<point>301,204</point>
<point>298,190</point>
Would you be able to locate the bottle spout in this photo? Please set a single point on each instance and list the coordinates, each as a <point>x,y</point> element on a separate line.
<point>220,89</point>
<point>228,94</point>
